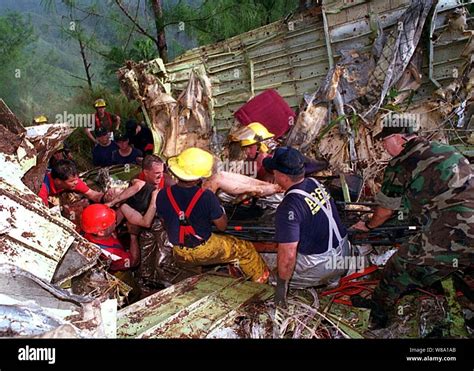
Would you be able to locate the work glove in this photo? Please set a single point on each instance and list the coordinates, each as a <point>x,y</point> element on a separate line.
<point>280,292</point>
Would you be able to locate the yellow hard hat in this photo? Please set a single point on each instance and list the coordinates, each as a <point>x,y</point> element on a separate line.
<point>260,133</point>
<point>41,119</point>
<point>99,103</point>
<point>191,164</point>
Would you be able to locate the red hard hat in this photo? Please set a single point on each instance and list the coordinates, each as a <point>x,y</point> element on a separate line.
<point>97,218</point>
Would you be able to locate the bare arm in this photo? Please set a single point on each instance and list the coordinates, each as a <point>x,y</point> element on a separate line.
<point>236,184</point>
<point>221,223</point>
<point>94,195</point>
<point>89,135</point>
<point>117,122</point>
<point>286,259</point>
<point>380,216</point>
<point>127,193</point>
<point>134,217</point>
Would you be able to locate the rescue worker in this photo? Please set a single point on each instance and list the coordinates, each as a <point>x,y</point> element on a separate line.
<point>435,183</point>
<point>125,154</point>
<point>312,241</point>
<point>103,150</point>
<point>140,136</point>
<point>40,119</point>
<point>103,119</point>
<point>64,177</point>
<point>251,140</point>
<point>189,212</point>
<point>62,153</point>
<point>151,177</point>
<point>98,223</point>
<point>135,200</point>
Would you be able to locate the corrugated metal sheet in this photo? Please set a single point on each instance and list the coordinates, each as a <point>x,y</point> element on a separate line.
<point>32,237</point>
<point>192,308</point>
<point>291,56</point>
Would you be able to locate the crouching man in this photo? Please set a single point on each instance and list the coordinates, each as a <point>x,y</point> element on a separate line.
<point>189,212</point>
<point>311,238</point>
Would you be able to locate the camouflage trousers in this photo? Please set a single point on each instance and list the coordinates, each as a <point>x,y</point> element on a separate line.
<point>400,275</point>
<point>445,246</point>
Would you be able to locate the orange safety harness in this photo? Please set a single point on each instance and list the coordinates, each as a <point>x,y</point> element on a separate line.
<point>185,228</point>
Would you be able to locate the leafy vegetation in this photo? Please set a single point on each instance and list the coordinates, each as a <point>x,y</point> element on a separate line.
<point>58,56</point>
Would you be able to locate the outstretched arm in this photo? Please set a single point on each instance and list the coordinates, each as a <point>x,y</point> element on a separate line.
<point>380,216</point>
<point>94,195</point>
<point>127,193</point>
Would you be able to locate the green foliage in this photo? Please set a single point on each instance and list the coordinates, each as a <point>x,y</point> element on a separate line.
<point>355,122</point>
<point>15,34</point>
<point>83,102</point>
<point>143,49</point>
<point>42,69</point>
<point>392,94</point>
<point>330,126</point>
<point>218,20</point>
<point>116,103</point>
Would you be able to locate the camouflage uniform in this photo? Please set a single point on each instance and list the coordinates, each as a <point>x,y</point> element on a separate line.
<point>435,183</point>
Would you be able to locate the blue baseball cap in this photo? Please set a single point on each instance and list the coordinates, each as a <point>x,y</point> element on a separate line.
<point>286,160</point>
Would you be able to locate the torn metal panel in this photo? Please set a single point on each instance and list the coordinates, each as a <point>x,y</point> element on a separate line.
<point>176,124</point>
<point>40,249</point>
<point>13,142</point>
<point>10,121</point>
<point>189,121</point>
<point>291,56</point>
<point>31,307</point>
<point>286,56</point>
<point>32,237</point>
<point>46,139</point>
<point>307,127</point>
<point>190,309</point>
<point>397,52</point>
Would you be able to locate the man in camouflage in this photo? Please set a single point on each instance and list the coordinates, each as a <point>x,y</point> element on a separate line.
<point>435,183</point>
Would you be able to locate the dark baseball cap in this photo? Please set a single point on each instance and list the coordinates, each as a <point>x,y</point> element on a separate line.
<point>131,126</point>
<point>286,160</point>
<point>121,137</point>
<point>100,132</point>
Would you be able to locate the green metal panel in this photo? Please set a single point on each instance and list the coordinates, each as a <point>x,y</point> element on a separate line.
<point>189,309</point>
<point>293,60</point>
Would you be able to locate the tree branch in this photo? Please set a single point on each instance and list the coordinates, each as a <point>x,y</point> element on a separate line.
<point>202,19</point>
<point>137,25</point>
<point>77,77</point>
<point>132,30</point>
